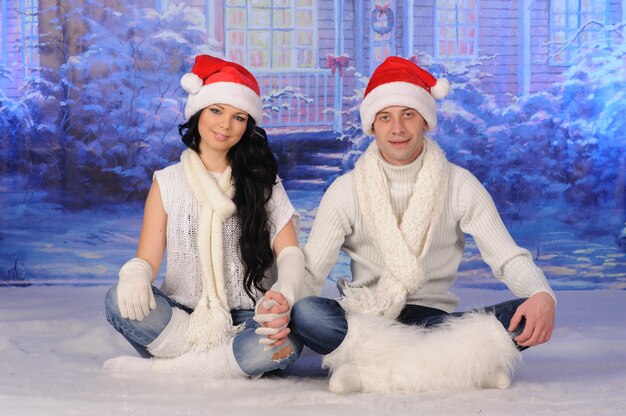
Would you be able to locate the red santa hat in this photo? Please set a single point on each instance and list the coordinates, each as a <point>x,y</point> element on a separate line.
<point>400,82</point>
<point>216,81</point>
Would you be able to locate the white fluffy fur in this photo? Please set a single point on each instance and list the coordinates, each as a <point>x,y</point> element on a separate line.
<point>172,341</point>
<point>191,83</point>
<point>465,352</point>
<point>213,363</point>
<point>441,89</point>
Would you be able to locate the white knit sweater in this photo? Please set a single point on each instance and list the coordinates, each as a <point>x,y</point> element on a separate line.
<point>468,208</point>
<point>182,277</point>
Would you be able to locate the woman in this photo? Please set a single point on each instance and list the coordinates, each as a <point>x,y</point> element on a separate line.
<point>224,218</point>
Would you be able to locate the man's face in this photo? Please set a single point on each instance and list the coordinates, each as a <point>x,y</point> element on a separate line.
<point>399,133</point>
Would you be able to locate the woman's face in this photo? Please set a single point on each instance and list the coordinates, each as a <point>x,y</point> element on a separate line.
<point>221,126</point>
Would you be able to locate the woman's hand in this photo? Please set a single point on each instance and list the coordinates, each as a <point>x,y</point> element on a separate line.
<point>134,291</point>
<point>272,313</point>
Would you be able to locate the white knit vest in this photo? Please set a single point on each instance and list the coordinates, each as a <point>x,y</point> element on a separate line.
<point>182,280</point>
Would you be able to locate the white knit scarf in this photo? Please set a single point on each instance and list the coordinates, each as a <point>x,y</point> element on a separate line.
<point>211,322</point>
<point>401,246</point>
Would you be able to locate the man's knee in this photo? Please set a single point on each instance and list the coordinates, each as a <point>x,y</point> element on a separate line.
<point>320,322</point>
<point>306,311</point>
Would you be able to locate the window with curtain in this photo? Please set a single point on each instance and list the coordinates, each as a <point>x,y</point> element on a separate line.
<point>567,18</point>
<point>456,28</point>
<point>267,34</point>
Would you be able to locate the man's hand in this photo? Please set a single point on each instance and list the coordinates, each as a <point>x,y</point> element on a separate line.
<point>539,313</point>
<point>272,313</point>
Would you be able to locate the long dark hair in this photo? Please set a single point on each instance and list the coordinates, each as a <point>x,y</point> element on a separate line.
<point>254,169</point>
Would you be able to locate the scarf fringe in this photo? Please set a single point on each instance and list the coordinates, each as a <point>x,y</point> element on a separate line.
<point>209,326</point>
<point>386,299</point>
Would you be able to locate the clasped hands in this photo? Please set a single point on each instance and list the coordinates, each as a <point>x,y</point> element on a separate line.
<point>272,313</point>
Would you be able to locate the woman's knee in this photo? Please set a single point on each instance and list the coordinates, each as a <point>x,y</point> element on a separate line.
<point>141,331</point>
<point>111,306</point>
<point>255,359</point>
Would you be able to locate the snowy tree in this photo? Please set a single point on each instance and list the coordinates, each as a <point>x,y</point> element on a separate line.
<point>99,124</point>
<point>9,129</point>
<point>576,129</point>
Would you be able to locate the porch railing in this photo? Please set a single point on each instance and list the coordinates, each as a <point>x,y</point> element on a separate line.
<point>297,98</point>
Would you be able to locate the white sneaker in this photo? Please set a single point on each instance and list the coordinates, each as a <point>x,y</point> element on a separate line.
<point>127,364</point>
<point>345,379</point>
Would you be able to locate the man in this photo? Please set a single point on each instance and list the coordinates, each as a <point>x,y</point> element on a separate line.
<point>401,215</point>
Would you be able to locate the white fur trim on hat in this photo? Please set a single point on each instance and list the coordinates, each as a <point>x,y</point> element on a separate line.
<point>397,94</point>
<point>230,93</point>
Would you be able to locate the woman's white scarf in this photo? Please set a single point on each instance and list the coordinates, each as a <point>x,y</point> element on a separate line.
<point>402,247</point>
<point>211,323</point>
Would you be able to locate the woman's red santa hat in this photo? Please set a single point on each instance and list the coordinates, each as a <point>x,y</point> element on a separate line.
<point>216,81</point>
<point>400,82</point>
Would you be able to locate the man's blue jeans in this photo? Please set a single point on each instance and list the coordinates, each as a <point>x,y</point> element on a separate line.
<point>251,356</point>
<point>321,323</point>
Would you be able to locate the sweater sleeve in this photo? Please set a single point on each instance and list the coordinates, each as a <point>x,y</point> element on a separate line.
<point>509,263</point>
<point>333,222</point>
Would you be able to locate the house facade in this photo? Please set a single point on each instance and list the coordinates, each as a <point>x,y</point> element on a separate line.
<point>307,53</point>
<point>19,53</point>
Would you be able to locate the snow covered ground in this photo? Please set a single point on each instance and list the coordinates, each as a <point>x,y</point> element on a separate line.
<point>53,340</point>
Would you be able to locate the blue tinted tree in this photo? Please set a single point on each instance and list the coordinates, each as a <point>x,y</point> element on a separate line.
<point>105,115</point>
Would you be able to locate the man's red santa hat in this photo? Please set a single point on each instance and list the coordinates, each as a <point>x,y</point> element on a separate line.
<point>400,82</point>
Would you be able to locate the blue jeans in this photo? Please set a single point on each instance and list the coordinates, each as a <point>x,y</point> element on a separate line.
<point>249,354</point>
<point>321,323</point>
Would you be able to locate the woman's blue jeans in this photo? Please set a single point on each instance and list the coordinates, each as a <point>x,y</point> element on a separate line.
<point>321,323</point>
<point>251,356</point>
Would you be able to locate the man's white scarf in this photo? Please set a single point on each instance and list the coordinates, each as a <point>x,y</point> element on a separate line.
<point>211,323</point>
<point>402,247</point>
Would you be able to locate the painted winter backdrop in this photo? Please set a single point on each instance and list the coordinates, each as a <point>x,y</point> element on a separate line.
<point>79,146</point>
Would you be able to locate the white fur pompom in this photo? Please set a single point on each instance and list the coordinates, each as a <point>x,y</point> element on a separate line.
<point>440,89</point>
<point>191,83</point>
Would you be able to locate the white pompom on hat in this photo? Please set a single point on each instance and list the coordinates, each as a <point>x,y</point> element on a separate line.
<point>400,82</point>
<point>216,81</point>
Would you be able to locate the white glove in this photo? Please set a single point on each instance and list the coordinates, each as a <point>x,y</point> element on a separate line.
<point>266,331</point>
<point>290,264</point>
<point>134,289</point>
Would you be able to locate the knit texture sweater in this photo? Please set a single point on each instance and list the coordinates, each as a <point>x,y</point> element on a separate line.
<point>468,209</point>
<point>182,280</point>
